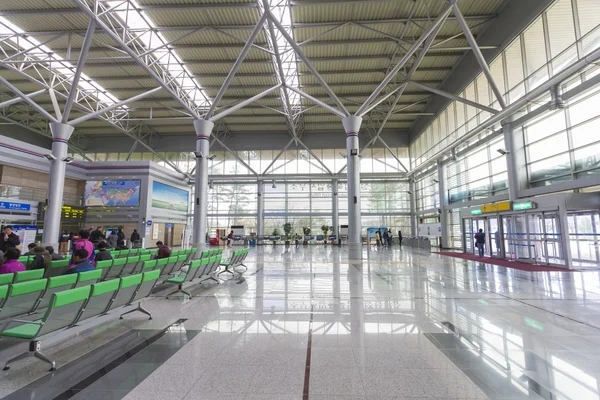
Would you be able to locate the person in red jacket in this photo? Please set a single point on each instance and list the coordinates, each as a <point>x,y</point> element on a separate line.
<point>163,250</point>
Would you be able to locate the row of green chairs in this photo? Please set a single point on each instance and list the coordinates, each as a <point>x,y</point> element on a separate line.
<point>23,276</point>
<point>34,295</point>
<point>205,267</point>
<point>70,308</point>
<point>236,260</point>
<point>128,252</point>
<point>211,252</point>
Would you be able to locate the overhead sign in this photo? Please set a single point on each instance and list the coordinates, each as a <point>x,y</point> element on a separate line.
<point>476,211</point>
<point>9,205</point>
<point>528,205</point>
<point>504,206</point>
<point>169,225</point>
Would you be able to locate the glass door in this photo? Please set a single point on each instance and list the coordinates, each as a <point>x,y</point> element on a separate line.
<point>494,237</point>
<point>553,245</point>
<point>515,237</point>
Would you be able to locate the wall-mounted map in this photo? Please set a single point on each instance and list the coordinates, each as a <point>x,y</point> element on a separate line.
<point>112,193</point>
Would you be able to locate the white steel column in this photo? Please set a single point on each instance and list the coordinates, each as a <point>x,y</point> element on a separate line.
<point>203,131</point>
<point>413,207</point>
<point>564,230</point>
<point>260,208</point>
<point>335,210</point>
<point>443,204</point>
<point>61,133</point>
<point>511,161</point>
<point>352,126</point>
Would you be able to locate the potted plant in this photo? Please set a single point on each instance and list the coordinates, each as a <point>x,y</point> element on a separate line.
<point>325,230</point>
<point>275,233</point>
<point>306,233</point>
<point>287,228</point>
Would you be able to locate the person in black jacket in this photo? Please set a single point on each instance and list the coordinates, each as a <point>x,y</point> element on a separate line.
<point>96,236</point>
<point>135,236</point>
<point>102,254</point>
<point>8,239</point>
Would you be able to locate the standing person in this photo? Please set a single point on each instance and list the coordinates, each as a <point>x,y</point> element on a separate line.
<point>9,239</point>
<point>11,261</point>
<point>55,257</point>
<point>121,235</point>
<point>63,243</point>
<point>81,262</point>
<point>377,238</point>
<point>389,237</point>
<point>112,240</point>
<point>84,243</point>
<point>163,250</point>
<point>135,236</point>
<point>400,238</point>
<point>96,236</point>
<point>229,238</point>
<point>480,241</point>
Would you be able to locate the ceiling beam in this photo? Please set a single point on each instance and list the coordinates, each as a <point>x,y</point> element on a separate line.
<point>210,46</point>
<point>297,26</point>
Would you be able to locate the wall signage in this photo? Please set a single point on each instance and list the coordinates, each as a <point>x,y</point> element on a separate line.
<point>476,211</point>
<point>504,206</point>
<point>528,205</point>
<point>9,205</point>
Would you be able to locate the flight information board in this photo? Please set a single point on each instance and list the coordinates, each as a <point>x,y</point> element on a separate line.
<point>68,213</point>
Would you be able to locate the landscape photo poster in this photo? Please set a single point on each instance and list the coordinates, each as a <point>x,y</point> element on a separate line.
<point>169,197</point>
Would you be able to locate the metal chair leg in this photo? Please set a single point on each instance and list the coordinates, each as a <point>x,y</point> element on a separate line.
<point>15,358</point>
<point>41,356</point>
<point>138,308</point>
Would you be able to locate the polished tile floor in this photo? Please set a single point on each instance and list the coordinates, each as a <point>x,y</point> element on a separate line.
<point>308,323</point>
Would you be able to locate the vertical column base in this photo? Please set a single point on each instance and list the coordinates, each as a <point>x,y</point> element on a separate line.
<point>354,251</point>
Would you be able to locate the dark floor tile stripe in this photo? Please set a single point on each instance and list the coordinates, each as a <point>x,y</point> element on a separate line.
<point>308,355</point>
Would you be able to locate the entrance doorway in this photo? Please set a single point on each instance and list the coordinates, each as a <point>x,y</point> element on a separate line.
<point>528,237</point>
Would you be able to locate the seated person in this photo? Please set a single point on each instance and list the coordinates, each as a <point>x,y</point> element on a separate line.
<point>163,250</point>
<point>103,254</point>
<point>30,247</point>
<point>82,263</point>
<point>42,258</point>
<point>11,261</point>
<point>55,256</point>
<point>121,244</point>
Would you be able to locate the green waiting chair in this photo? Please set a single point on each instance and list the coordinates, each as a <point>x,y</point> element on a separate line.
<point>128,286</point>
<point>88,277</point>
<point>23,297</point>
<point>64,309</point>
<point>104,266</point>
<point>56,284</point>
<point>161,264</point>
<point>56,268</point>
<point>149,265</point>
<point>130,265</point>
<point>101,296</point>
<point>145,288</point>
<point>25,276</point>
<point>182,279</point>
<point>116,268</point>
<point>7,279</point>
<point>170,266</point>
